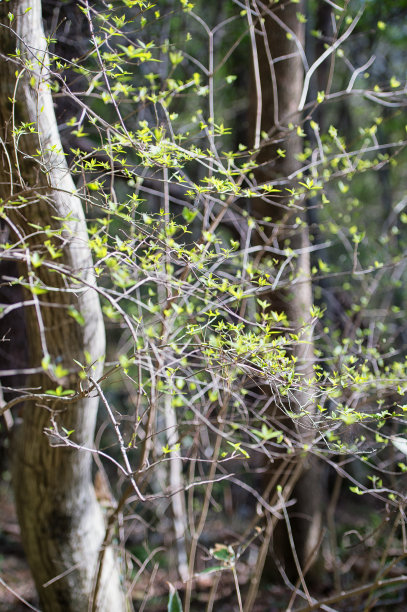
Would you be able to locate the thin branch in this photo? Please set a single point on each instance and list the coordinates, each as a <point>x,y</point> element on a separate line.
<point>17,596</point>
<point>323,57</point>
<point>257,80</point>
<point>357,71</point>
<point>367,588</point>
<point>119,437</point>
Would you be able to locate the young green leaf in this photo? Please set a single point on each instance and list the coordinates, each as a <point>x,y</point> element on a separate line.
<point>174,600</point>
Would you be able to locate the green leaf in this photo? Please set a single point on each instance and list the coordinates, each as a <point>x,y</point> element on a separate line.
<point>45,362</point>
<point>35,290</point>
<point>267,434</point>
<point>36,260</point>
<point>60,371</point>
<point>189,215</point>
<point>68,432</point>
<point>95,186</point>
<point>60,392</point>
<point>223,553</point>
<point>76,315</point>
<point>174,601</point>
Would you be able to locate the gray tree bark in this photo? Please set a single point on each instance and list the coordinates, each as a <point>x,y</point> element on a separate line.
<point>61,522</point>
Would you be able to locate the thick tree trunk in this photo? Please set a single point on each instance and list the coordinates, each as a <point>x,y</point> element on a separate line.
<point>279,85</point>
<point>61,522</point>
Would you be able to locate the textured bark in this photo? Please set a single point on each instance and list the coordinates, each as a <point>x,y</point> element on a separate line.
<point>281,86</point>
<point>61,522</point>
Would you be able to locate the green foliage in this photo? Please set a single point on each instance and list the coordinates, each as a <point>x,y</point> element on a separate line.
<point>188,270</point>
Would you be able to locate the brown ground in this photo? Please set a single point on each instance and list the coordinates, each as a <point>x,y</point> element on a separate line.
<point>17,586</point>
<point>16,581</point>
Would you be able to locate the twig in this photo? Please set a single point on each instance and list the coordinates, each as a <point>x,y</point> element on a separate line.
<point>292,545</point>
<point>358,71</point>
<point>323,57</point>
<point>198,530</point>
<point>239,597</point>
<point>367,588</point>
<point>257,80</point>
<point>288,486</point>
<point>24,601</point>
<point>106,542</point>
<point>120,439</point>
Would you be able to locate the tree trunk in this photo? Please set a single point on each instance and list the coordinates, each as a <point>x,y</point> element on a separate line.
<point>61,522</point>
<point>279,83</point>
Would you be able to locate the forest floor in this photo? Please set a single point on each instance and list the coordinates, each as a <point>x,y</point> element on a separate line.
<point>16,582</point>
<point>150,592</point>
<point>18,594</point>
